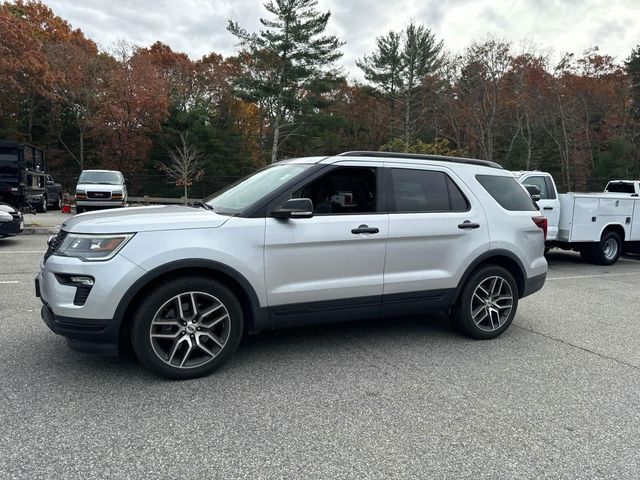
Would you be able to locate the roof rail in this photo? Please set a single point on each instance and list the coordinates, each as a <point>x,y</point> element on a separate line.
<point>420,156</point>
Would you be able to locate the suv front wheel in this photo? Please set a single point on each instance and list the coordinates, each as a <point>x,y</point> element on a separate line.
<point>187,327</point>
<point>487,304</point>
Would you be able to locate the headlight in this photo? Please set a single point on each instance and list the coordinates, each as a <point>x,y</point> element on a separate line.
<point>92,248</point>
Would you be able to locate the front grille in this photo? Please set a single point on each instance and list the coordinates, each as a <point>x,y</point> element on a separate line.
<point>55,243</point>
<point>99,195</point>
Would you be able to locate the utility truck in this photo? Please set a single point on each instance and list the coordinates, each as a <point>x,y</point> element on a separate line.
<point>601,226</point>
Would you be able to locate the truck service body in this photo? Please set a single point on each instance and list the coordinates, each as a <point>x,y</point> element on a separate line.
<point>600,226</point>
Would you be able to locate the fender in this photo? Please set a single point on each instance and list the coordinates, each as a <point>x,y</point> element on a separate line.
<point>487,256</point>
<point>260,318</point>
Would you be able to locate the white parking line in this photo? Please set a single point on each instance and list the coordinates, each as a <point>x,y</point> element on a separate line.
<point>5,282</point>
<point>24,251</point>
<point>593,276</point>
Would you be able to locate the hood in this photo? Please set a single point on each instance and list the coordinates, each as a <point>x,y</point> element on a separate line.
<point>98,187</point>
<point>144,219</point>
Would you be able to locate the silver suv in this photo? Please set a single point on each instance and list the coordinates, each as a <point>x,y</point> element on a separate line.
<point>358,235</point>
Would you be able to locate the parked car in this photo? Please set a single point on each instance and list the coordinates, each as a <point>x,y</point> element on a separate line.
<point>100,189</point>
<point>358,235</point>
<point>23,179</point>
<point>11,220</point>
<point>601,226</point>
<point>632,187</point>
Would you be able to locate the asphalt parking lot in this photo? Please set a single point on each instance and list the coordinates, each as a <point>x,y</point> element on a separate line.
<point>557,396</point>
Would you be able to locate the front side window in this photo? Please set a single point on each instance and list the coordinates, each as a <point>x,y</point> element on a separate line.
<point>507,192</point>
<point>424,191</point>
<point>541,184</point>
<point>248,191</point>
<point>344,190</point>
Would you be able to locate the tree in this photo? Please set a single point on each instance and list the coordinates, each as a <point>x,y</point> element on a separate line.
<point>383,68</point>
<point>292,57</point>
<point>185,164</point>
<point>398,67</point>
<point>133,102</point>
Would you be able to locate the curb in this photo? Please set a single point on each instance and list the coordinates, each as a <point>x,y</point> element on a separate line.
<point>32,230</point>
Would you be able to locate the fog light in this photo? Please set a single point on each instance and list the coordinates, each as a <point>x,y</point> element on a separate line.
<point>81,280</point>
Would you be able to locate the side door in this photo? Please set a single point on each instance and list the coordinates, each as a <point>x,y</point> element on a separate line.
<point>329,266</point>
<point>549,203</point>
<point>437,228</point>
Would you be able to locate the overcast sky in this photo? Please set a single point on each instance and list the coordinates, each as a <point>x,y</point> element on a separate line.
<point>198,27</point>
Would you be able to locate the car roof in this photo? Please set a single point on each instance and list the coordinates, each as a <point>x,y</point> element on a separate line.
<point>101,171</point>
<point>409,158</point>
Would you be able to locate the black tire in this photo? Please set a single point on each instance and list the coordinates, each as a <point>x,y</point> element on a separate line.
<point>605,252</point>
<point>79,210</point>
<point>462,312</point>
<point>156,301</point>
<point>58,204</point>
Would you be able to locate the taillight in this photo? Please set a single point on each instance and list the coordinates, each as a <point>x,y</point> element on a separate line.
<point>542,223</point>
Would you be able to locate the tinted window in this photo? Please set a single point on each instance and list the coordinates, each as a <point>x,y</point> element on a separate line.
<point>347,190</point>
<point>507,192</point>
<point>424,191</point>
<point>620,187</point>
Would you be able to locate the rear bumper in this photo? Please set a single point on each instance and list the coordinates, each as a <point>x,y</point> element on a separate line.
<point>87,335</point>
<point>533,284</point>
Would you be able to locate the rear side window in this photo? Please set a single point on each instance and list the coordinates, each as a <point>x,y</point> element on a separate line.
<point>507,192</point>
<point>424,191</point>
<point>620,187</point>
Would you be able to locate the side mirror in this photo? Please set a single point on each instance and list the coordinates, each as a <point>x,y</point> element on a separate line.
<point>534,191</point>
<point>294,208</point>
<point>5,217</point>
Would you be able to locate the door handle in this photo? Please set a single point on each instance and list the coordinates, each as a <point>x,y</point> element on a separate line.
<point>548,208</point>
<point>365,229</point>
<point>467,224</point>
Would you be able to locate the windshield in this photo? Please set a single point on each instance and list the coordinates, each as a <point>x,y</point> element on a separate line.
<point>102,178</point>
<point>248,191</point>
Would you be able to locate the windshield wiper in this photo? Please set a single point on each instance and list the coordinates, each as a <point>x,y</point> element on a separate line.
<point>200,204</point>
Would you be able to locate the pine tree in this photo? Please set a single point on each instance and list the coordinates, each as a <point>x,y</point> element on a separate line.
<point>397,67</point>
<point>292,62</point>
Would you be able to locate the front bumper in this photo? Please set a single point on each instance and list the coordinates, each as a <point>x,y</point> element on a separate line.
<point>91,325</point>
<point>101,203</point>
<point>87,335</point>
<point>14,227</point>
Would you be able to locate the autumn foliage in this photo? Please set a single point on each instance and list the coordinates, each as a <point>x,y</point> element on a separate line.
<point>576,116</point>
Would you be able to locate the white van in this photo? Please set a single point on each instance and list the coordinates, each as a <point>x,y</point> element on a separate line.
<point>100,189</point>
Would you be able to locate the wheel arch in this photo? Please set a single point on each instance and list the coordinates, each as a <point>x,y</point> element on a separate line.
<point>614,227</point>
<point>255,317</point>
<point>502,258</point>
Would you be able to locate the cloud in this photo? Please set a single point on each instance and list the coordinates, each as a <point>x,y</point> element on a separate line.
<point>198,27</point>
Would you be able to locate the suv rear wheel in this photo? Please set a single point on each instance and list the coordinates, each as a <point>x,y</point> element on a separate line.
<point>487,304</point>
<point>187,327</point>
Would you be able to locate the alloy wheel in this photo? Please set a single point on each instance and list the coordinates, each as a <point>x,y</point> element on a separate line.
<point>491,303</point>
<point>190,330</point>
